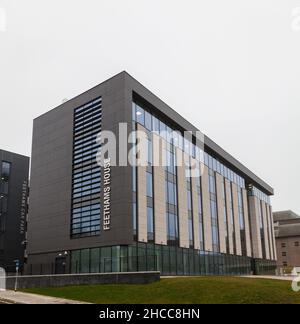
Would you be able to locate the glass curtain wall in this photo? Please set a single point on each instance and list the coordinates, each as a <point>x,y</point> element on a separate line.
<point>169,260</point>
<point>153,122</point>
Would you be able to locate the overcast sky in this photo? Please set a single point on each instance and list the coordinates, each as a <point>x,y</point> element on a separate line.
<point>230,67</point>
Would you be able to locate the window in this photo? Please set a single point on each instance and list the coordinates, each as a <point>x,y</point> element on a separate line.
<point>206,159</point>
<point>187,144</point>
<point>3,204</point>
<point>134,216</point>
<point>150,224</point>
<point>242,221</point>
<point>172,229</point>
<point>284,254</point>
<point>262,232</point>
<point>180,141</point>
<point>148,121</point>
<point>241,209</point>
<point>296,243</point>
<point>193,151</point>
<point>232,222</point>
<point>172,199</point>
<point>213,209</point>
<point>189,198</point>
<point>169,137</point>
<point>163,130</point>
<point>190,209</point>
<point>199,200</point>
<point>155,124</point>
<point>86,211</point>
<point>149,185</point>
<point>191,232</point>
<point>285,264</point>
<point>200,216</point>
<point>140,115</point>
<point>215,238</point>
<point>5,170</point>
<point>149,152</point>
<point>201,236</point>
<point>171,168</point>
<point>134,179</point>
<point>283,245</point>
<point>4,188</point>
<point>175,140</point>
<point>224,199</point>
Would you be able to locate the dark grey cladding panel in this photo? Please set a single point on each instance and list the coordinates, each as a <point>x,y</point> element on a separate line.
<point>108,87</point>
<point>51,177</point>
<point>11,157</point>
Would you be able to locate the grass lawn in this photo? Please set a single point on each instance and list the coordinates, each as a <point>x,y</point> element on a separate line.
<point>202,290</point>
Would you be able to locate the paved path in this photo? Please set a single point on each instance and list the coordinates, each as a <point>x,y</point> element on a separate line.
<point>289,278</point>
<point>11,297</point>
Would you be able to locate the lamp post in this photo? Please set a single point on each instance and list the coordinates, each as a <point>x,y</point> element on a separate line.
<point>17,262</point>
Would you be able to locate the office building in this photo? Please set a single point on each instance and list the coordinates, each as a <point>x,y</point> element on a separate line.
<point>85,217</point>
<point>287,233</point>
<point>14,170</point>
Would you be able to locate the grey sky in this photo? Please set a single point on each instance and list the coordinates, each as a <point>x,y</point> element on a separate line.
<point>236,63</point>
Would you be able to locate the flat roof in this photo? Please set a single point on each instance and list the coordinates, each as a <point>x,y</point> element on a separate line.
<point>209,143</point>
<point>170,113</point>
<point>288,230</point>
<point>285,215</point>
<point>13,153</point>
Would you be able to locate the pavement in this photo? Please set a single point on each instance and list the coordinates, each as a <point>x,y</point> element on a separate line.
<point>11,297</point>
<point>285,278</point>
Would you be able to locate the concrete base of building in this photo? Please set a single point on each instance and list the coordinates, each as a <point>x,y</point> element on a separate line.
<point>26,282</point>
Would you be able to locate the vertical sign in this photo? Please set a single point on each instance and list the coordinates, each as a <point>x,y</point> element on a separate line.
<point>23,208</point>
<point>107,195</point>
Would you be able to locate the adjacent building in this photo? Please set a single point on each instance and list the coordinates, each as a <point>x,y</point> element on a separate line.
<point>14,170</point>
<point>287,231</point>
<point>85,217</point>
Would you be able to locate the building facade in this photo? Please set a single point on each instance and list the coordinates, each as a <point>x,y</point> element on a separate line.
<point>14,169</point>
<point>287,233</point>
<point>85,217</point>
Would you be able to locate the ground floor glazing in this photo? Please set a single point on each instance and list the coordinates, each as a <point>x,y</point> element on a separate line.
<point>170,261</point>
